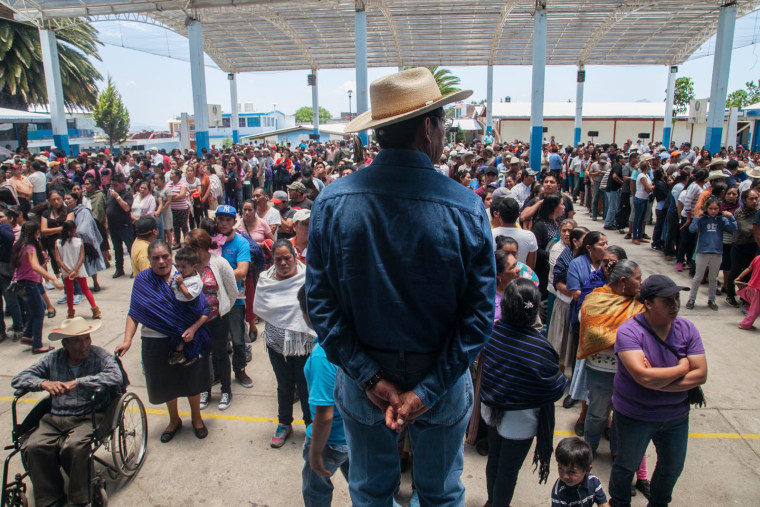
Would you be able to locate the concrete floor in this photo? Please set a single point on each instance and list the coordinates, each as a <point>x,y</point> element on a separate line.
<point>236,466</point>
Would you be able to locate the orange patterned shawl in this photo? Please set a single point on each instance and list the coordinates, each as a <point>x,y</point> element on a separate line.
<point>602,313</point>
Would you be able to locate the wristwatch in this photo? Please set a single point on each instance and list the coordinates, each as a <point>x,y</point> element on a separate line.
<point>374,379</point>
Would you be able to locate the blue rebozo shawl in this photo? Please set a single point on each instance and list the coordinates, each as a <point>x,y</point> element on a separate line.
<point>154,305</point>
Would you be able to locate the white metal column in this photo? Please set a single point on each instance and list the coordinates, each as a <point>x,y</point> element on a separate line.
<point>360,29</point>
<point>315,102</point>
<point>52,68</point>
<point>721,66</point>
<point>198,80</point>
<point>667,122</point>
<point>537,94</point>
<point>580,82</point>
<point>234,118</point>
<point>489,100</point>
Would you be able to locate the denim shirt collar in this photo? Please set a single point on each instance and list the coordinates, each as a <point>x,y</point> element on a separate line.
<point>406,158</point>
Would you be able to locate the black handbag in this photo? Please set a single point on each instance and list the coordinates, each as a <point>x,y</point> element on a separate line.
<point>696,395</point>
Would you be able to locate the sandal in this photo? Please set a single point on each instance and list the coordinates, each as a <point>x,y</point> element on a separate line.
<point>51,314</point>
<point>42,350</point>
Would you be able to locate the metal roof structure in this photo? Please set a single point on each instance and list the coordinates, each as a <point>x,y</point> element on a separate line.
<point>255,35</point>
<point>591,110</point>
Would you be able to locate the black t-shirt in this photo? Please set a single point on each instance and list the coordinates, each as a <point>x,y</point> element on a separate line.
<point>613,185</point>
<point>305,204</point>
<point>116,215</point>
<point>286,214</point>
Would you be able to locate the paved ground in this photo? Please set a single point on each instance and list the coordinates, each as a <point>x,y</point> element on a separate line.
<point>236,466</point>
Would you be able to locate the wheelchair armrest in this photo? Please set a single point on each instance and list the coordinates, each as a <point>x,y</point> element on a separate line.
<point>18,393</point>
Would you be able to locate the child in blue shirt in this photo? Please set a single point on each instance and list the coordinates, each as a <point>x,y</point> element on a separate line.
<point>325,448</point>
<point>710,226</point>
<point>576,485</point>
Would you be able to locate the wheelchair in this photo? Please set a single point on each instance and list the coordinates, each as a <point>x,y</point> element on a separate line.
<point>122,433</point>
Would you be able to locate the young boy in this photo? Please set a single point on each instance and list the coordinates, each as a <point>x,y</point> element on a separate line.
<point>187,286</point>
<point>576,486</point>
<point>325,448</point>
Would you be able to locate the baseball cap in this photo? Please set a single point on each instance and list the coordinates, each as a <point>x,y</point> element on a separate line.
<point>529,171</point>
<point>144,225</point>
<point>279,197</point>
<point>659,286</point>
<point>491,170</point>
<point>675,153</point>
<point>226,209</point>
<point>301,215</point>
<point>297,186</point>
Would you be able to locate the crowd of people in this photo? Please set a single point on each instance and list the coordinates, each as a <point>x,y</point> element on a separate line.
<point>518,306</point>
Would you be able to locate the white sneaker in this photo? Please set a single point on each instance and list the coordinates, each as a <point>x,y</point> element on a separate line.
<point>205,397</point>
<point>225,402</point>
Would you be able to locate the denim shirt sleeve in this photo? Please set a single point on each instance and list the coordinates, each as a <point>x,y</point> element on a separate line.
<point>334,330</point>
<point>474,326</point>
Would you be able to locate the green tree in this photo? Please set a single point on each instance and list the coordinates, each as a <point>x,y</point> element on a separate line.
<point>304,115</point>
<point>111,115</point>
<point>22,78</point>
<point>742,98</point>
<point>447,82</point>
<point>684,93</point>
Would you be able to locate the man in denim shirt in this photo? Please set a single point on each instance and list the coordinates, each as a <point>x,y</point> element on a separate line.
<point>401,286</point>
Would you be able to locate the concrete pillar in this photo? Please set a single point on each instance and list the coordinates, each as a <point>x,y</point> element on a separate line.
<point>721,65</point>
<point>360,30</point>
<point>581,81</point>
<point>315,103</point>
<point>732,127</point>
<point>667,122</point>
<point>489,100</point>
<point>52,69</point>
<point>234,118</point>
<point>537,94</point>
<point>198,81</point>
<point>184,132</point>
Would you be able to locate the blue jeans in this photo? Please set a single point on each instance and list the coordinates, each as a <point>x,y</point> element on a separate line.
<point>613,202</point>
<point>599,385</point>
<point>38,198</point>
<point>317,490</point>
<point>595,199</point>
<point>32,295</point>
<point>120,234</point>
<point>639,214</point>
<point>670,440</point>
<point>13,307</point>
<point>436,438</point>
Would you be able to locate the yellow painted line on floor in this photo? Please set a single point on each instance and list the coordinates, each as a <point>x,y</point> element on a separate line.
<point>230,417</point>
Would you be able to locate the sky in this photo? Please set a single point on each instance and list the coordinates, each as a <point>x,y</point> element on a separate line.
<point>157,88</point>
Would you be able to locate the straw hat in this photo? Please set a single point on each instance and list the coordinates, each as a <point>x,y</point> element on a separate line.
<point>74,327</point>
<point>401,96</point>
<point>717,161</point>
<point>716,175</point>
<point>754,173</point>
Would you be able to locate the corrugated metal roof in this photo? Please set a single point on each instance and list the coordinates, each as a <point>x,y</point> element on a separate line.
<point>255,35</point>
<point>590,110</point>
<point>14,115</point>
<point>467,124</point>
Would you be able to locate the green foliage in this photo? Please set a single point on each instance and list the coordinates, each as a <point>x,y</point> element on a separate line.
<point>227,142</point>
<point>447,82</point>
<point>22,78</point>
<point>304,115</point>
<point>684,93</point>
<point>743,98</point>
<point>111,115</point>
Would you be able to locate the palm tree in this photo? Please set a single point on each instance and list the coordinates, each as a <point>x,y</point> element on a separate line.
<point>447,82</point>
<point>22,78</point>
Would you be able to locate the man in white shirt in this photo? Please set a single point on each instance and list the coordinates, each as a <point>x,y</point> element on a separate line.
<point>527,246</point>
<point>155,157</point>
<point>521,191</point>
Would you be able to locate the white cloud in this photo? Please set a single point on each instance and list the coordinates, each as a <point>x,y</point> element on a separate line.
<point>347,85</point>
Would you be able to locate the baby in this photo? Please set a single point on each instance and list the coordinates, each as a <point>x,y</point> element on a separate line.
<point>576,486</point>
<point>187,286</point>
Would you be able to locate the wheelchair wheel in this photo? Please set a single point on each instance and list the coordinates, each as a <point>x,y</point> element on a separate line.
<point>129,438</point>
<point>15,497</point>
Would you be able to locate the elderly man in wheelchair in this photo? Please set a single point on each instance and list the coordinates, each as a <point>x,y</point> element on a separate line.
<point>64,436</point>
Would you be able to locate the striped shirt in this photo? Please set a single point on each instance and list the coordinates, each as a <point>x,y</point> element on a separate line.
<point>585,494</point>
<point>176,190</point>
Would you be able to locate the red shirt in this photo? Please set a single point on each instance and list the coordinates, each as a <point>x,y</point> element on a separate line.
<point>301,255</point>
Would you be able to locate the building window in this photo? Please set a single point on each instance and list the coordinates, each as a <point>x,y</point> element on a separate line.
<point>241,122</point>
<point>226,123</point>
<point>254,121</point>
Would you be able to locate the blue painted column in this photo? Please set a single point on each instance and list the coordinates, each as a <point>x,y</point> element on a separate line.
<point>719,89</point>
<point>581,81</point>
<point>315,102</point>
<point>234,118</point>
<point>198,81</point>
<point>537,94</point>
<point>54,86</point>
<point>489,100</point>
<point>667,122</point>
<point>360,29</point>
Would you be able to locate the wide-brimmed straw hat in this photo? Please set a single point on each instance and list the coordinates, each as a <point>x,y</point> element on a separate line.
<point>754,173</point>
<point>74,327</point>
<point>717,161</point>
<point>401,96</point>
<point>716,175</point>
